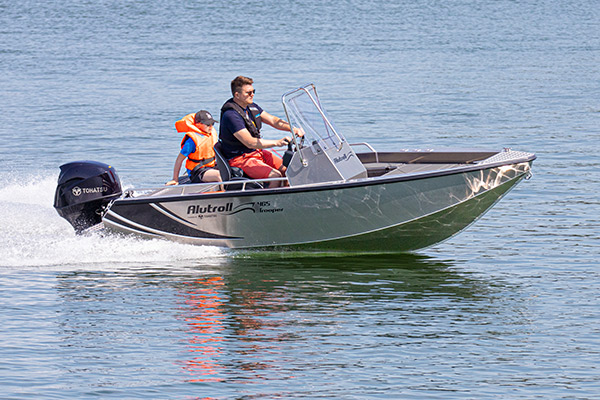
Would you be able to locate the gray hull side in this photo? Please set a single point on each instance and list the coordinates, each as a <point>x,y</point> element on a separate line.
<point>420,233</point>
<point>392,215</point>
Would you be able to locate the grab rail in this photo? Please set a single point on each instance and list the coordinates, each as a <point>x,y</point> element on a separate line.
<point>367,145</point>
<point>196,188</point>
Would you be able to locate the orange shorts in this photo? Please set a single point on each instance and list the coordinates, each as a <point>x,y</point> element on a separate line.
<point>257,164</point>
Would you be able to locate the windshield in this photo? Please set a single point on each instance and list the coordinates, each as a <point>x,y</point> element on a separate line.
<point>303,110</point>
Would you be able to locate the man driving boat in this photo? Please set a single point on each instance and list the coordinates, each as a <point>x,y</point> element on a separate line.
<point>239,134</point>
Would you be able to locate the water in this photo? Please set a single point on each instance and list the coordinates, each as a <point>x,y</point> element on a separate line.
<point>507,309</point>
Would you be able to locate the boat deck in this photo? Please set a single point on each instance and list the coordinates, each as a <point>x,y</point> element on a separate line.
<point>390,169</point>
<point>418,161</point>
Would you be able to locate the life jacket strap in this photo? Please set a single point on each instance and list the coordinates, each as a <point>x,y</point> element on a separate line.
<point>202,161</point>
<point>252,125</point>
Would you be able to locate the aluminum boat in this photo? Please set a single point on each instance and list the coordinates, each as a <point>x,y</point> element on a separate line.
<point>336,195</point>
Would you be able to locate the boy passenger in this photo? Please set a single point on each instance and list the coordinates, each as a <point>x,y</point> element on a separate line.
<point>197,146</point>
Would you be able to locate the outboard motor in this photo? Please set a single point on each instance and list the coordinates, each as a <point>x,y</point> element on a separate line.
<point>85,188</point>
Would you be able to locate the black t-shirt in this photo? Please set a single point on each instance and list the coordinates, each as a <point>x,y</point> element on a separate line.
<point>231,122</point>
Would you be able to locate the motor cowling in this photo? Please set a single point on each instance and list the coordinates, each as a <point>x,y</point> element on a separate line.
<point>84,190</point>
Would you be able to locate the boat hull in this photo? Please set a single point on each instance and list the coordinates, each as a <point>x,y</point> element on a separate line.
<point>382,214</point>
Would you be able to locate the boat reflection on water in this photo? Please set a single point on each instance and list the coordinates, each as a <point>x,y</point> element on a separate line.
<point>229,325</point>
<point>257,316</point>
<point>243,325</point>
<point>203,312</point>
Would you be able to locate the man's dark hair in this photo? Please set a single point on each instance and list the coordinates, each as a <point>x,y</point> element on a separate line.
<point>239,82</point>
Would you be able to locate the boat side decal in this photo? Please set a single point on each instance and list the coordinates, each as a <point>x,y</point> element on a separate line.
<point>171,214</point>
<point>202,210</point>
<point>145,217</point>
<point>243,207</point>
<point>126,226</point>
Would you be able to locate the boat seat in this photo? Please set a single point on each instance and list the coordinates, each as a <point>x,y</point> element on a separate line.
<point>229,173</point>
<point>184,180</point>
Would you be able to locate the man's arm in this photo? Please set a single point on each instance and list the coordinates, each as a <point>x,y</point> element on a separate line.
<point>274,121</point>
<point>278,123</point>
<point>251,142</point>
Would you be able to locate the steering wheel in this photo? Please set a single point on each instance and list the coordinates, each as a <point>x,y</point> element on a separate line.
<point>289,153</point>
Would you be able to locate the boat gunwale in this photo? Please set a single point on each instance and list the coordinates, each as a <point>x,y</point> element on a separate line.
<point>363,182</point>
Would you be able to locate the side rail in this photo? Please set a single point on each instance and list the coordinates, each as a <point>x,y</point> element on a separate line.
<point>196,188</point>
<point>249,184</point>
<point>368,146</point>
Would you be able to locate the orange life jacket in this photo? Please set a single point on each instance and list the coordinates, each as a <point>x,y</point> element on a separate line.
<point>204,156</point>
